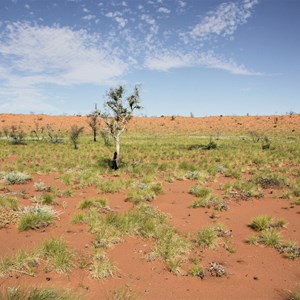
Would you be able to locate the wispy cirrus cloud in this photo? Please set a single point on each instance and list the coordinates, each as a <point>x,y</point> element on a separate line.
<point>224,20</point>
<point>209,59</point>
<point>61,55</point>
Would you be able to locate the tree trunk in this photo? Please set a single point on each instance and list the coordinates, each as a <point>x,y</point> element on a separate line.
<point>115,162</point>
<point>95,134</point>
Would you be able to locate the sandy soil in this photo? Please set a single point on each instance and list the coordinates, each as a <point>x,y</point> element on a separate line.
<point>253,272</point>
<point>219,125</point>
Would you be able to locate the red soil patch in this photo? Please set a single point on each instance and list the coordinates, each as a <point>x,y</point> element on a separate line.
<point>254,272</point>
<point>274,124</point>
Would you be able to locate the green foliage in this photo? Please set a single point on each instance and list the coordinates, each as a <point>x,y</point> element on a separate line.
<point>58,254</point>
<point>23,262</point>
<point>263,222</point>
<point>270,238</point>
<point>34,217</point>
<point>146,222</point>
<point>45,199</point>
<point>18,293</point>
<point>90,203</point>
<point>145,192</point>
<point>206,199</point>
<point>207,237</point>
<point>113,186</point>
<point>242,190</point>
<point>197,271</point>
<point>9,202</point>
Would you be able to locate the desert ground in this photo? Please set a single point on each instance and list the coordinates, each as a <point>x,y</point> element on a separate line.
<point>201,208</point>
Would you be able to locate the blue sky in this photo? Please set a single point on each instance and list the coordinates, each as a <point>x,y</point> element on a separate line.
<point>208,57</point>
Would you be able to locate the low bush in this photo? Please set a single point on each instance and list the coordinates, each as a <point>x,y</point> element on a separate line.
<point>16,178</point>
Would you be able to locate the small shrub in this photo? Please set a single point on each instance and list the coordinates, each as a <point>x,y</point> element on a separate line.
<point>206,199</point>
<point>101,267</point>
<point>58,254</point>
<point>263,222</point>
<point>39,186</point>
<point>242,190</point>
<point>269,181</point>
<point>207,237</point>
<point>78,219</point>
<point>89,203</point>
<point>270,238</point>
<point>45,199</point>
<point>9,202</point>
<point>145,192</point>
<point>34,217</point>
<point>197,271</point>
<point>296,202</point>
<point>16,178</point>
<point>199,191</point>
<point>74,135</point>
<point>18,293</point>
<point>23,262</point>
<point>289,249</point>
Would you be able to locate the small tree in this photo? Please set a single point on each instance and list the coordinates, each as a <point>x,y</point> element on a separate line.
<point>93,121</point>
<point>74,135</point>
<point>119,115</point>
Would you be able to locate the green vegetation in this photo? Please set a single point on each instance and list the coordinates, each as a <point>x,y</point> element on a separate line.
<point>212,237</point>
<point>45,199</point>
<point>34,217</point>
<point>59,256</point>
<point>145,192</point>
<point>8,202</point>
<point>54,253</point>
<point>146,222</point>
<point>198,271</point>
<point>91,203</point>
<point>101,267</point>
<point>18,293</point>
<point>264,222</point>
<point>207,237</point>
<point>242,190</point>
<point>207,199</point>
<point>270,237</point>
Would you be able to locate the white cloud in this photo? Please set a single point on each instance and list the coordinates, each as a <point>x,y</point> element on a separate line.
<point>113,14</point>
<point>62,55</point>
<point>27,6</point>
<point>32,57</point>
<point>151,22</point>
<point>169,60</point>
<point>85,10</point>
<point>181,3</point>
<point>223,21</point>
<point>164,10</point>
<point>88,17</point>
<point>121,21</point>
